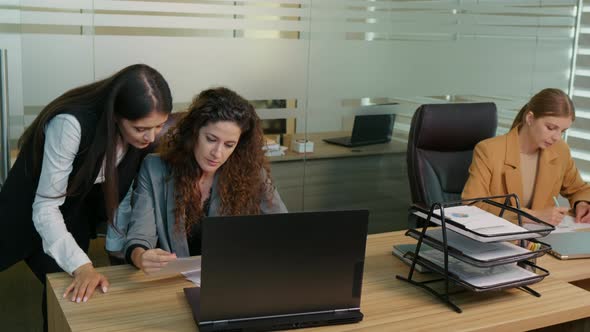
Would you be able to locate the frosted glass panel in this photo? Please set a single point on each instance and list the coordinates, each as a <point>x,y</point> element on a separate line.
<point>402,49</point>
<point>53,64</point>
<point>313,63</point>
<point>371,57</point>
<point>259,69</point>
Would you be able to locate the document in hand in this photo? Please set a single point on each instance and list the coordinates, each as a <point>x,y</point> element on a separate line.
<point>179,266</point>
<point>479,225</point>
<point>569,224</point>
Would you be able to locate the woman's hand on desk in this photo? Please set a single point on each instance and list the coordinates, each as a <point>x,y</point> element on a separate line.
<point>583,212</point>
<point>552,215</point>
<point>151,260</point>
<point>86,279</point>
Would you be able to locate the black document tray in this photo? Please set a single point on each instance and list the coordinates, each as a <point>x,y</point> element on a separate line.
<point>541,274</point>
<point>437,244</point>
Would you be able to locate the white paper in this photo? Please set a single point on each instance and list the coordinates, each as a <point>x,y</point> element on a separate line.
<point>480,276</point>
<point>512,228</point>
<point>475,249</point>
<point>180,265</point>
<point>569,224</point>
<point>484,222</point>
<point>193,276</point>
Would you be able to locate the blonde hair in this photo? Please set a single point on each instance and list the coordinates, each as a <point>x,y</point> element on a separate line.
<point>547,102</point>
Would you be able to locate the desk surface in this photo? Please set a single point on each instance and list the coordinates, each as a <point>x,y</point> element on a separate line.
<point>135,302</point>
<point>323,150</point>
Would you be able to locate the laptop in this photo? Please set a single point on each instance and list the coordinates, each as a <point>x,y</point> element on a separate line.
<point>569,245</point>
<point>280,271</point>
<point>367,130</point>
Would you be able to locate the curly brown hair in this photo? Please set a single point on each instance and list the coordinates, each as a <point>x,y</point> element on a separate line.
<point>243,180</point>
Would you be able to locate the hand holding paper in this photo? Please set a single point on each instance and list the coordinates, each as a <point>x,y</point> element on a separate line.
<point>152,260</point>
<point>179,266</point>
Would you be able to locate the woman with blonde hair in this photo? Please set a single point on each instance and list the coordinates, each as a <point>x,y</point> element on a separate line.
<point>533,161</point>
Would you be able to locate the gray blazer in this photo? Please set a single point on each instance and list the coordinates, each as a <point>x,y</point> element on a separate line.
<point>152,218</point>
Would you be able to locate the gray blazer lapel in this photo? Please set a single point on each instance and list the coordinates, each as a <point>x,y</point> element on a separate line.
<point>176,235</point>
<point>214,201</point>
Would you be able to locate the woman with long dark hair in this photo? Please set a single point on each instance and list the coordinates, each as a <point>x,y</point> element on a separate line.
<point>76,162</point>
<point>533,161</point>
<point>211,163</point>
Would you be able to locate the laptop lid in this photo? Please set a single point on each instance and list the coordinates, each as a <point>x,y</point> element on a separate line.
<point>372,128</point>
<point>569,245</point>
<point>281,265</point>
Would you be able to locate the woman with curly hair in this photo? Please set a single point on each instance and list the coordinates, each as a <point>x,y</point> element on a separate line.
<point>210,164</point>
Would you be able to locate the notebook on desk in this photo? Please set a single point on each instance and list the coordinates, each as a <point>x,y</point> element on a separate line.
<point>280,271</point>
<point>366,130</point>
<point>571,245</point>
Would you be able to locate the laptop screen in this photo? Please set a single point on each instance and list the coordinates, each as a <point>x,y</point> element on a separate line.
<point>377,127</point>
<point>281,264</point>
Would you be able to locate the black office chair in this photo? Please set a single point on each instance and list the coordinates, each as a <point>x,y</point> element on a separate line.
<point>440,149</point>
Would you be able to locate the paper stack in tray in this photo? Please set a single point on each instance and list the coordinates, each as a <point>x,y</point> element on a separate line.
<point>478,224</point>
<point>272,148</point>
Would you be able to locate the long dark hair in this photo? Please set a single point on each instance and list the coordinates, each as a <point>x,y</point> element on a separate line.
<point>547,102</point>
<point>243,179</point>
<point>132,93</point>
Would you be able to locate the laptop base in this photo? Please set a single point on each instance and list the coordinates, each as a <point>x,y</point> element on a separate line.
<point>270,324</point>
<point>346,142</point>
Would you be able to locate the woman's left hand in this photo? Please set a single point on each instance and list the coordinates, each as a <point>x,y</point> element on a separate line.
<point>583,212</point>
<point>86,279</point>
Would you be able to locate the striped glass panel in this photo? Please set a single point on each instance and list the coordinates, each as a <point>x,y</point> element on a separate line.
<point>579,135</point>
<point>416,52</point>
<point>337,58</point>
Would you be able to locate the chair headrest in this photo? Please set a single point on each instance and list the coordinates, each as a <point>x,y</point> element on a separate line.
<point>453,127</point>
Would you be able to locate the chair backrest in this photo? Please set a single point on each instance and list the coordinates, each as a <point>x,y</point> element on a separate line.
<point>169,124</point>
<point>440,148</point>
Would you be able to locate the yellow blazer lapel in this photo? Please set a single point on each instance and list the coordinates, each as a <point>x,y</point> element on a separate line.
<point>512,172</point>
<point>546,178</point>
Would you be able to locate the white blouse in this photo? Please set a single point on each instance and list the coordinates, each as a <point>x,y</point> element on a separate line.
<point>62,141</point>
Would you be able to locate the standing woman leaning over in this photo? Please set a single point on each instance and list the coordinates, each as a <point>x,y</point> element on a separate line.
<point>77,161</point>
<point>533,161</point>
<point>211,164</point>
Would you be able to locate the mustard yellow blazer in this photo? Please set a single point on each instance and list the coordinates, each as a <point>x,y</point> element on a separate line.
<point>495,170</point>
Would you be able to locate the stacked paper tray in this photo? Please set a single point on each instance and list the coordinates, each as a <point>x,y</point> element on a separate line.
<point>480,279</point>
<point>481,225</point>
<point>474,253</point>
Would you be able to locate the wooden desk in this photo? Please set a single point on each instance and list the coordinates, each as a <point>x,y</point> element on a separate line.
<point>323,150</point>
<point>334,177</point>
<point>135,302</point>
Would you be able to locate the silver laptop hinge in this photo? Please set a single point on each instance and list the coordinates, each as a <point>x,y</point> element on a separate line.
<point>227,321</point>
<point>344,310</point>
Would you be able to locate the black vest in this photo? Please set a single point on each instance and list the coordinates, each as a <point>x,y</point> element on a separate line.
<point>19,238</point>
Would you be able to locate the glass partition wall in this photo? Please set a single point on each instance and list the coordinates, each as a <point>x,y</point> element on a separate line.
<point>309,66</point>
<point>372,57</point>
